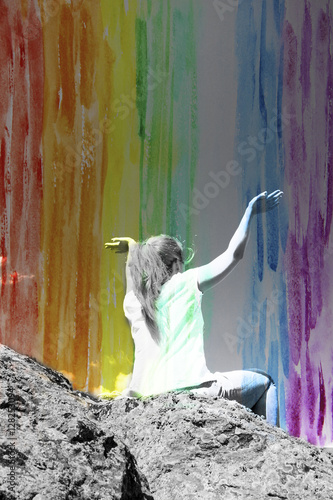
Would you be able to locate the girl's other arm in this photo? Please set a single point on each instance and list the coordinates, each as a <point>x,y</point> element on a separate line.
<point>129,281</point>
<point>212,273</point>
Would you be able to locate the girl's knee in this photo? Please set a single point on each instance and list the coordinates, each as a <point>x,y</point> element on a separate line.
<point>272,383</point>
<point>265,374</point>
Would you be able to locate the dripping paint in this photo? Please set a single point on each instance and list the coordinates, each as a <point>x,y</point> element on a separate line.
<point>116,119</point>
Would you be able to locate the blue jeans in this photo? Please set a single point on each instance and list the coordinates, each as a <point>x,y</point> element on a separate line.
<point>252,388</point>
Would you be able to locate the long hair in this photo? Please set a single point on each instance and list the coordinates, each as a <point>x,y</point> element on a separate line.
<point>151,266</point>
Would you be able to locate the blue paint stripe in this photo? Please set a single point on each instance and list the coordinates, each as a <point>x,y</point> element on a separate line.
<point>259,150</point>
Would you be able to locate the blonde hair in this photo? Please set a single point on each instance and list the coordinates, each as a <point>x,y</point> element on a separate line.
<point>151,267</point>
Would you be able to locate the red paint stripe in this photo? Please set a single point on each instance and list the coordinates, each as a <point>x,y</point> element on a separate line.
<point>21,61</point>
<point>5,65</point>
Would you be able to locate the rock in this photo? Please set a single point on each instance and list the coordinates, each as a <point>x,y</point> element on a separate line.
<point>192,447</point>
<point>72,445</point>
<point>59,450</point>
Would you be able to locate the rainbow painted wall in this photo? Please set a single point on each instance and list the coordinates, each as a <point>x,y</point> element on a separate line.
<point>105,123</point>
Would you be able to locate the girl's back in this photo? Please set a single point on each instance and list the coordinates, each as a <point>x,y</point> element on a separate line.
<point>177,359</point>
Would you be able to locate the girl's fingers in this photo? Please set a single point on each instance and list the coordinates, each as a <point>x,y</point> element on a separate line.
<point>264,201</point>
<point>274,198</point>
<point>112,245</point>
<point>275,194</point>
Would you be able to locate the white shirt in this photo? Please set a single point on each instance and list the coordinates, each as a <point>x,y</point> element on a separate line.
<point>178,361</point>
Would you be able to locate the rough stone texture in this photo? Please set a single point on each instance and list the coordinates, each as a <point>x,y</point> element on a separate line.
<point>192,447</point>
<point>71,445</point>
<point>61,450</point>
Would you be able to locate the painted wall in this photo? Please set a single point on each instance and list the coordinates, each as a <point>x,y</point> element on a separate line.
<point>145,116</point>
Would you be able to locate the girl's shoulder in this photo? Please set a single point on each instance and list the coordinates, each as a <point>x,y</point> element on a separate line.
<point>186,280</point>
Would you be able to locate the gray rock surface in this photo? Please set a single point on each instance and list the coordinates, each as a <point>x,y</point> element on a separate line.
<point>51,446</point>
<point>70,445</point>
<point>192,447</point>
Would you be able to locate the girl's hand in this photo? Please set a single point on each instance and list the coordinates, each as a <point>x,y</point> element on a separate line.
<point>265,202</point>
<point>120,245</point>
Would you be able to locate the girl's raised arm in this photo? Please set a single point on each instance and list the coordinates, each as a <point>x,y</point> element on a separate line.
<point>124,245</point>
<point>212,273</point>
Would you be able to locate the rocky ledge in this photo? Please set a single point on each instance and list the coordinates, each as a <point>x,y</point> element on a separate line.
<point>60,444</point>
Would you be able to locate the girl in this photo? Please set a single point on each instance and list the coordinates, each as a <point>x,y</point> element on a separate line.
<point>163,306</point>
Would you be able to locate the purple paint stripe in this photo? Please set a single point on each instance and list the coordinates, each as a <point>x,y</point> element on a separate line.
<point>293,404</point>
<point>329,141</point>
<point>311,396</point>
<point>293,263</point>
<point>306,53</point>
<point>314,249</point>
<point>293,139</point>
<point>332,414</point>
<point>308,142</point>
<point>322,402</point>
<point>307,292</point>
